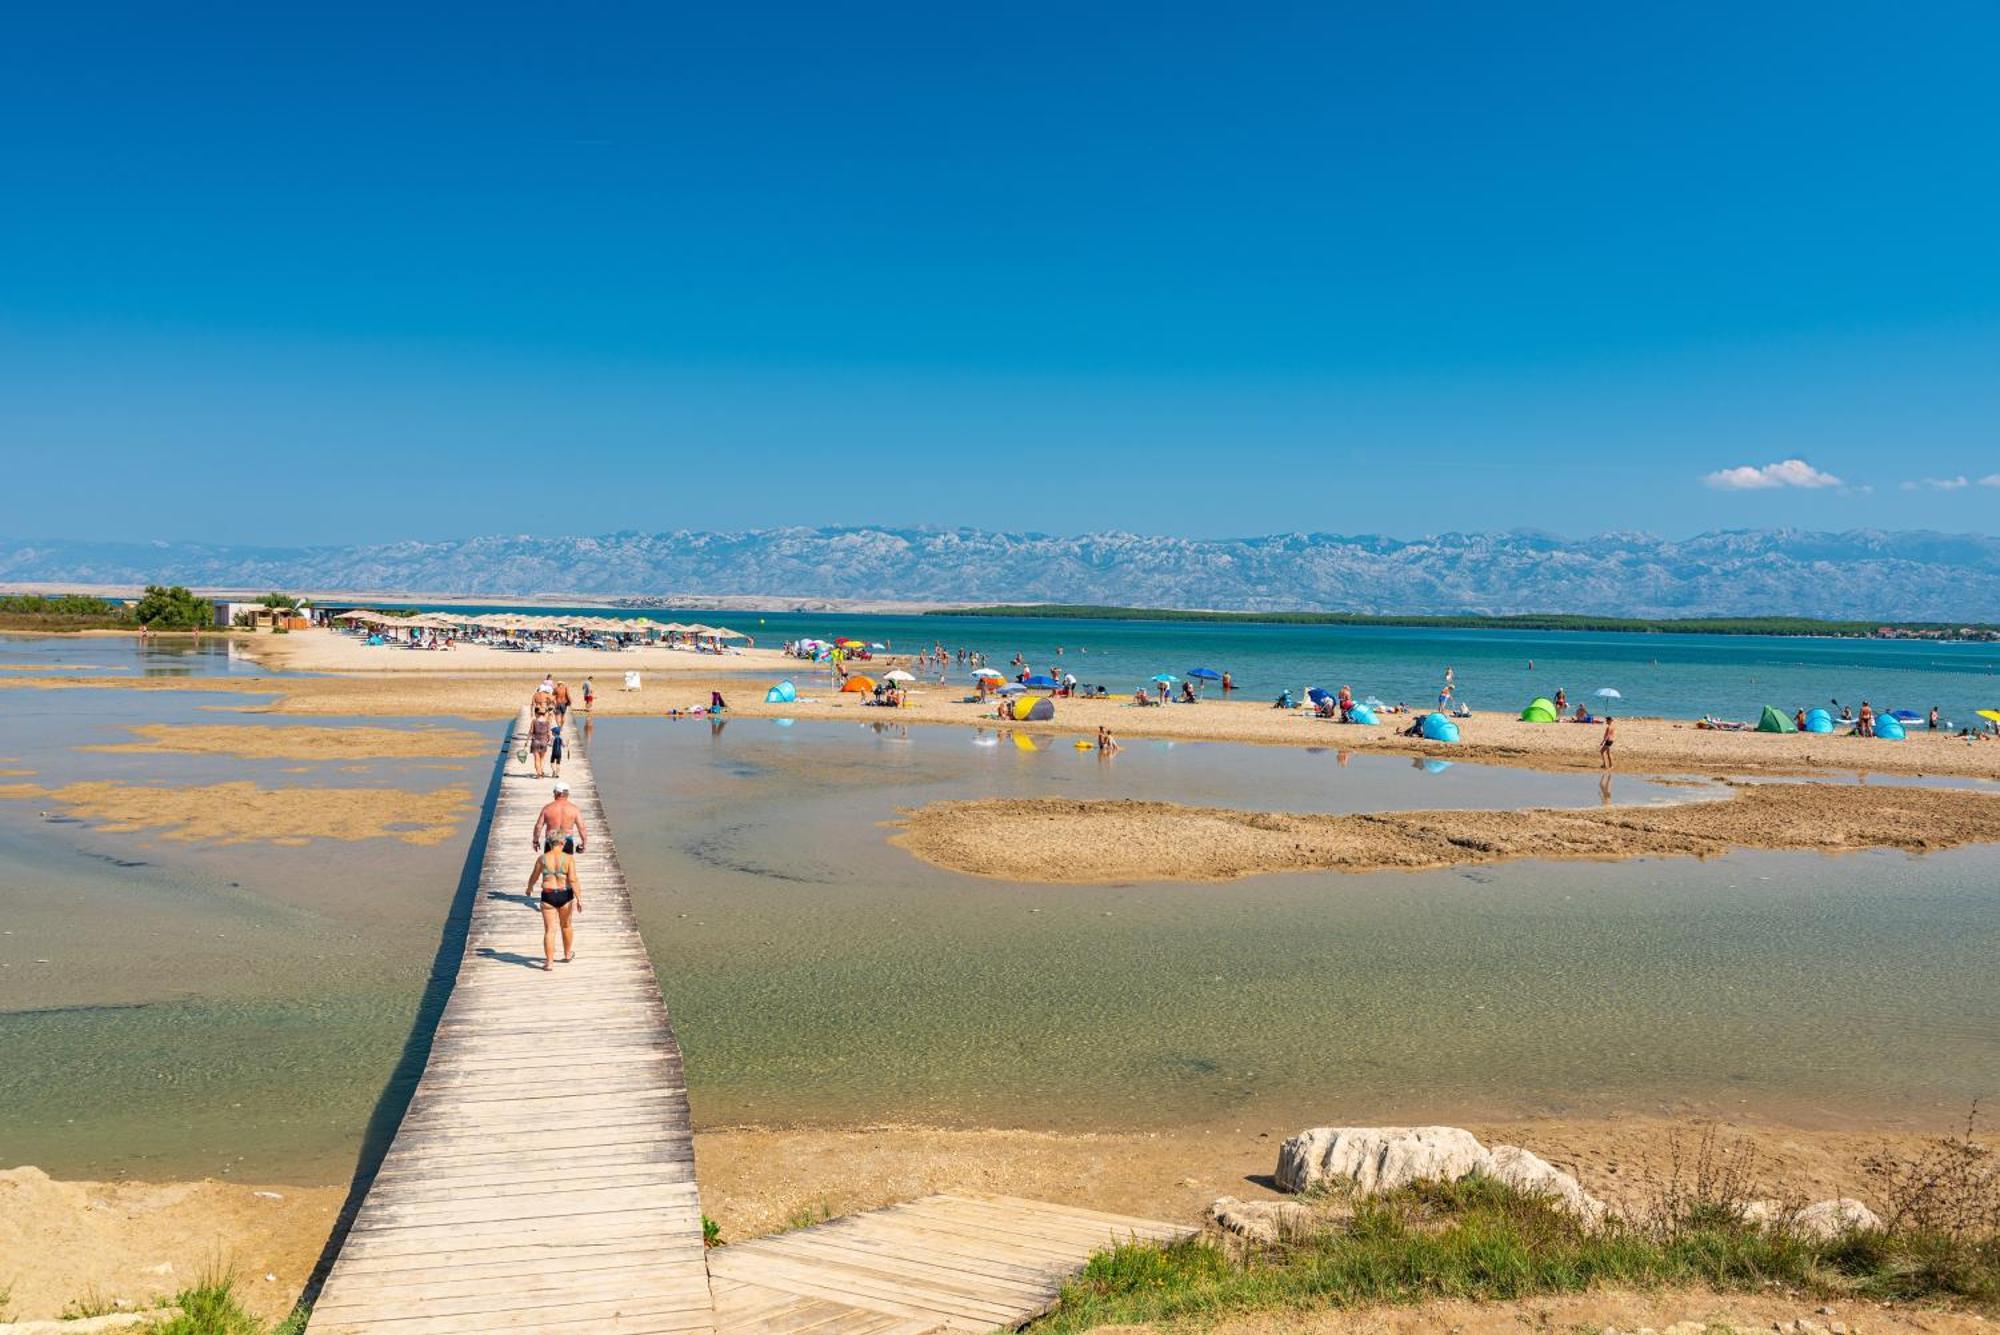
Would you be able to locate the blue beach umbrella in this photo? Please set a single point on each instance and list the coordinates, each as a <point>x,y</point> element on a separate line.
<point>1204,674</point>
<point>1166,679</point>
<point>1012,688</point>
<point>1041,683</point>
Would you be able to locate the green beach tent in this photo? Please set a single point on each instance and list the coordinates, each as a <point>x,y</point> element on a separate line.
<point>1539,710</point>
<point>1774,721</point>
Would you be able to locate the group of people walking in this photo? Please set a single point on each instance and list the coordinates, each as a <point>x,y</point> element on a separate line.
<point>559,833</point>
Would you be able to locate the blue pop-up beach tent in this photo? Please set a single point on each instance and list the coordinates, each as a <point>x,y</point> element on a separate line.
<point>1889,729</point>
<point>784,693</point>
<point>1818,720</point>
<point>1438,728</point>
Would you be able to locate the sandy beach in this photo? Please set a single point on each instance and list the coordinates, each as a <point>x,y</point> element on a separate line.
<point>490,684</point>
<point>1056,840</point>
<point>141,1241</point>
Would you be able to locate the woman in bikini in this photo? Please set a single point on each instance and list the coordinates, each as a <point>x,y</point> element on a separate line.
<point>554,873</point>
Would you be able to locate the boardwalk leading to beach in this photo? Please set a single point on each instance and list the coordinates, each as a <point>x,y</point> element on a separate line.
<point>953,1262</point>
<point>543,1176</point>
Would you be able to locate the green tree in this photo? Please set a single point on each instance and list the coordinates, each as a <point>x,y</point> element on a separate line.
<point>164,608</point>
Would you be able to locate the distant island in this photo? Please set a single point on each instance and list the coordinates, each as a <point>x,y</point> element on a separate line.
<point>1876,630</point>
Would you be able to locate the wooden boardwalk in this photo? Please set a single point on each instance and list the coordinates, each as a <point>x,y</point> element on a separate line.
<point>960,1262</point>
<point>543,1176</point>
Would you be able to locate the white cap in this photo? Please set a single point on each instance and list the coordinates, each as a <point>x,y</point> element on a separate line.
<point>561,786</point>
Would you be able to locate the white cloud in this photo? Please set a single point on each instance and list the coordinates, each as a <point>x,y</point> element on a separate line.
<point>1990,480</point>
<point>1785,473</point>
<point>1958,483</point>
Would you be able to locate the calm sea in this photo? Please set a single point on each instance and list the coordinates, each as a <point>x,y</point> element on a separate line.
<point>1675,676</point>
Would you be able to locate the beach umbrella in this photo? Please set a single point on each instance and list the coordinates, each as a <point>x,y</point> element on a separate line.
<point>1318,693</point>
<point>1041,683</point>
<point>724,633</point>
<point>898,675</point>
<point>878,646</point>
<point>1993,715</point>
<point>1204,674</point>
<point>988,673</point>
<point>1012,688</point>
<point>1166,679</point>
<point>1608,693</point>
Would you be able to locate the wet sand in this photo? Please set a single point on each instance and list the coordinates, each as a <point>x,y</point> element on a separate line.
<point>1064,841</point>
<point>243,812</point>
<point>492,684</point>
<point>114,1237</point>
<point>261,742</point>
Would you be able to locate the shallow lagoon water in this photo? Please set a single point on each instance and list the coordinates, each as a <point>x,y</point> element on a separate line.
<point>175,1009</point>
<point>241,1010</point>
<point>820,975</point>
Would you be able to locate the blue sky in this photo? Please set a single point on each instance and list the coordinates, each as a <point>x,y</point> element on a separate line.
<point>1188,269</point>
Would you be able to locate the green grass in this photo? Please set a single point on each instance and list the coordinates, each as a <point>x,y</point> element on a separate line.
<point>809,1214</point>
<point>1479,1240</point>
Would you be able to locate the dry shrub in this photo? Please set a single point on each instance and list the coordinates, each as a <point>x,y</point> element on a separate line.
<point>1708,1183</point>
<point>1950,1186</point>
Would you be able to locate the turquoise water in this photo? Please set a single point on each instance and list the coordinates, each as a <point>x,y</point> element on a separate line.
<point>820,975</point>
<point>1674,676</point>
<point>172,1010</point>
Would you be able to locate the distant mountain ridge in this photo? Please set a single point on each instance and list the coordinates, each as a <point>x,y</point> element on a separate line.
<point>1861,573</point>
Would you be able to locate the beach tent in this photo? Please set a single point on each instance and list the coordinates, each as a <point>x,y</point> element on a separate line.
<point>1539,710</point>
<point>1438,728</point>
<point>783,693</point>
<point>1818,720</point>
<point>1029,709</point>
<point>1318,693</point>
<point>1039,682</point>
<point>1889,729</point>
<point>1361,714</point>
<point>1775,720</point>
<point>858,686</point>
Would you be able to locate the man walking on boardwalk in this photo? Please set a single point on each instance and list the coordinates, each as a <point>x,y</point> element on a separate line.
<point>561,820</point>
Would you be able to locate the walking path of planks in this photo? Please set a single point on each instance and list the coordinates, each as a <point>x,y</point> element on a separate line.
<point>543,1176</point>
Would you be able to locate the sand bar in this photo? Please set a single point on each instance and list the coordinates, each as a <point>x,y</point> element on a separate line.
<point>244,812</point>
<point>1645,745</point>
<point>259,742</point>
<point>1065,841</point>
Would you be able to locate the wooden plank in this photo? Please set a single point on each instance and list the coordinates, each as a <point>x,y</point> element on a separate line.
<point>533,1186</point>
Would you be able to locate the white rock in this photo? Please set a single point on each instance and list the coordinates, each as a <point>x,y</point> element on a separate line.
<point>1532,1175</point>
<point>1824,1221</point>
<point>1261,1221</point>
<point>1378,1158</point>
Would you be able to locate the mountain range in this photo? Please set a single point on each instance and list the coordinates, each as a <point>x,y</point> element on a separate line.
<point>1861,573</point>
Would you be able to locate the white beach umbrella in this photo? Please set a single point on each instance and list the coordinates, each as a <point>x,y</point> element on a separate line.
<point>898,675</point>
<point>1609,693</point>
